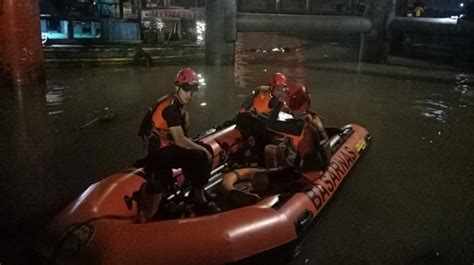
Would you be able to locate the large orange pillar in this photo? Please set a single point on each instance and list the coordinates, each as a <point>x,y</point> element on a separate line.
<point>2,45</point>
<point>20,42</point>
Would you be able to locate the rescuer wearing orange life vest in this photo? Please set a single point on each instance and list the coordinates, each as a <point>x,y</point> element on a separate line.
<point>263,99</point>
<point>301,138</point>
<point>165,127</point>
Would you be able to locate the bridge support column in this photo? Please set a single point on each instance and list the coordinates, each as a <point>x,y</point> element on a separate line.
<point>21,54</point>
<point>221,32</point>
<point>375,45</point>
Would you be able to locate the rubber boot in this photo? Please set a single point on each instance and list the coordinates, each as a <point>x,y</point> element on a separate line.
<point>203,206</point>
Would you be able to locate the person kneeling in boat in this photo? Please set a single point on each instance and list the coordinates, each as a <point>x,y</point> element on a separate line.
<point>298,135</point>
<point>165,128</point>
<point>265,98</point>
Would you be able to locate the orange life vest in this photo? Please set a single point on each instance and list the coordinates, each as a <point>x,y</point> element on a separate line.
<point>260,100</point>
<point>160,126</point>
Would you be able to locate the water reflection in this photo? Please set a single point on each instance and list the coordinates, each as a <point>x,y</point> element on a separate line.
<point>54,100</point>
<point>202,80</point>
<point>442,105</point>
<point>27,141</point>
<point>258,55</point>
<point>430,108</point>
<point>464,86</point>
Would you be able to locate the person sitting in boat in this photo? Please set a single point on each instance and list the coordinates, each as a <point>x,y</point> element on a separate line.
<point>165,129</point>
<point>264,98</point>
<point>254,111</point>
<point>297,134</point>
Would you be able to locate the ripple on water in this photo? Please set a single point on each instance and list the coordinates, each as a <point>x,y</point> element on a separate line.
<point>461,98</point>
<point>55,100</point>
<point>433,109</point>
<point>464,86</point>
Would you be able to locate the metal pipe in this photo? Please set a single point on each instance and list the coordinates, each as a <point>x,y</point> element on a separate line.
<point>251,22</point>
<point>438,26</point>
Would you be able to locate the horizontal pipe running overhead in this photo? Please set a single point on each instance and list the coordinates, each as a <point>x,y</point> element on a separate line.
<point>438,26</point>
<point>251,22</point>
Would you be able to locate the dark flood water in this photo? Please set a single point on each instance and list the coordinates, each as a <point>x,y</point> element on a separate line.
<point>409,200</point>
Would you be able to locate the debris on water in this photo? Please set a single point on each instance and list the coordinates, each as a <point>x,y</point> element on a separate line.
<point>89,123</point>
<point>107,116</point>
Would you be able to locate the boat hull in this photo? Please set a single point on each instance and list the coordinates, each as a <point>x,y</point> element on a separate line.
<point>97,228</point>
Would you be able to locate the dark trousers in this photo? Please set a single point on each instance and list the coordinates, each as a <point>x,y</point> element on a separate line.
<point>193,162</point>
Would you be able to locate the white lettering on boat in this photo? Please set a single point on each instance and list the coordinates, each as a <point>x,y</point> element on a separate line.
<point>330,180</point>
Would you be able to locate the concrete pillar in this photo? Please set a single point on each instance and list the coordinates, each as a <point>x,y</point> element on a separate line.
<point>22,54</point>
<point>375,45</point>
<point>221,32</point>
<point>2,46</point>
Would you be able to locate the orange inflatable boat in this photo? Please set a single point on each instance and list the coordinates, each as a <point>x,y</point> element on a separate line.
<point>99,228</point>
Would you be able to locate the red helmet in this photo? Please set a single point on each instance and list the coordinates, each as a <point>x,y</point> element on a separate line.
<point>186,76</point>
<point>297,98</point>
<point>278,80</point>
